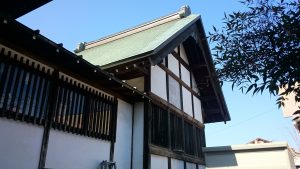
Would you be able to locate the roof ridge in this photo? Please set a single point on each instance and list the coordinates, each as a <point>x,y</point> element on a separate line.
<point>183,12</point>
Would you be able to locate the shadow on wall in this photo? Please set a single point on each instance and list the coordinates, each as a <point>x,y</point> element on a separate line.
<point>221,159</point>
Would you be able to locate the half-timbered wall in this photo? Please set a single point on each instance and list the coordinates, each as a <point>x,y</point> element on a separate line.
<point>138,136</point>
<point>173,82</point>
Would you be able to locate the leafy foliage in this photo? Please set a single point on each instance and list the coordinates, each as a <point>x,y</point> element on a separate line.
<point>259,49</point>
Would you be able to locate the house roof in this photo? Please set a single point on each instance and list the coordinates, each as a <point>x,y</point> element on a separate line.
<point>17,8</point>
<point>138,42</point>
<point>151,42</point>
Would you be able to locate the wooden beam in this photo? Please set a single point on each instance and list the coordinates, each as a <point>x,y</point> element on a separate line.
<point>167,153</point>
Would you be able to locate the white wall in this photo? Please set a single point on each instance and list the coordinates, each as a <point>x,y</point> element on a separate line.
<point>185,76</point>
<point>183,54</point>
<point>138,136</point>
<point>158,82</point>
<point>261,156</point>
<point>187,101</point>
<point>197,109</point>
<point>190,165</point>
<point>122,154</point>
<point>177,164</point>
<point>159,162</point>
<point>194,84</point>
<point>173,64</point>
<point>66,150</point>
<point>20,144</point>
<point>201,167</point>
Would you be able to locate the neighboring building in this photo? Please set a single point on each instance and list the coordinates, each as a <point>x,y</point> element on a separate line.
<point>274,155</point>
<point>291,108</point>
<point>140,100</point>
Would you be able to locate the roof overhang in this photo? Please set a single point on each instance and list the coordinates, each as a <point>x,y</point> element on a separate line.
<point>16,8</point>
<point>24,40</point>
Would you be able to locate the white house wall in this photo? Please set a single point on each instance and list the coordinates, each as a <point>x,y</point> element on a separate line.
<point>197,109</point>
<point>183,54</point>
<point>201,167</point>
<point>187,101</point>
<point>190,166</point>
<point>173,64</point>
<point>159,162</point>
<point>158,82</point>
<point>20,145</point>
<point>194,84</point>
<point>185,76</point>
<point>122,154</point>
<point>66,150</point>
<point>138,136</point>
<point>177,164</point>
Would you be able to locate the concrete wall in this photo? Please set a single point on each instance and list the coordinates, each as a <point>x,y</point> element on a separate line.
<point>138,136</point>
<point>20,144</point>
<point>122,153</point>
<point>258,156</point>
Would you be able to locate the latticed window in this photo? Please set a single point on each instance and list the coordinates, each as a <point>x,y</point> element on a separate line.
<point>159,126</point>
<point>32,92</point>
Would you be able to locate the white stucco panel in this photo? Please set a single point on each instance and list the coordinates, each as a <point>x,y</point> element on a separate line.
<point>177,164</point>
<point>20,144</point>
<point>122,154</point>
<point>201,167</point>
<point>159,162</point>
<point>158,82</point>
<point>173,64</point>
<point>66,150</point>
<point>183,54</point>
<point>185,75</point>
<point>138,136</point>
<point>197,109</point>
<point>187,101</point>
<point>190,166</point>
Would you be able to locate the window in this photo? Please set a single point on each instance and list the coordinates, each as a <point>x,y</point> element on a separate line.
<point>159,126</point>
<point>28,93</point>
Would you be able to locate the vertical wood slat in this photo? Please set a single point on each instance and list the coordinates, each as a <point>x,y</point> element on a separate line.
<point>24,91</point>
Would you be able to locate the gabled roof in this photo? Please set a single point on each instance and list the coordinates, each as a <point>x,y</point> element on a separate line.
<point>138,42</point>
<point>126,54</point>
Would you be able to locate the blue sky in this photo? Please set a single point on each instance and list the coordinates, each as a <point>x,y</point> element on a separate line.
<point>70,22</point>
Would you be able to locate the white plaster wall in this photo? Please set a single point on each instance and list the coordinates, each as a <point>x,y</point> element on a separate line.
<point>174,93</point>
<point>158,82</point>
<point>197,109</point>
<point>70,151</point>
<point>190,165</point>
<point>185,76</point>
<point>177,164</point>
<point>122,154</point>
<point>183,54</point>
<point>173,64</point>
<point>201,167</point>
<point>159,162</point>
<point>187,101</point>
<point>20,145</point>
<point>138,136</point>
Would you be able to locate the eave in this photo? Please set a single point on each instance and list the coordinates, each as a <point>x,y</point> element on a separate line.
<point>16,8</point>
<point>30,43</point>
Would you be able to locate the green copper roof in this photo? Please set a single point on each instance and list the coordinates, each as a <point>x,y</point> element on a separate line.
<point>137,44</point>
